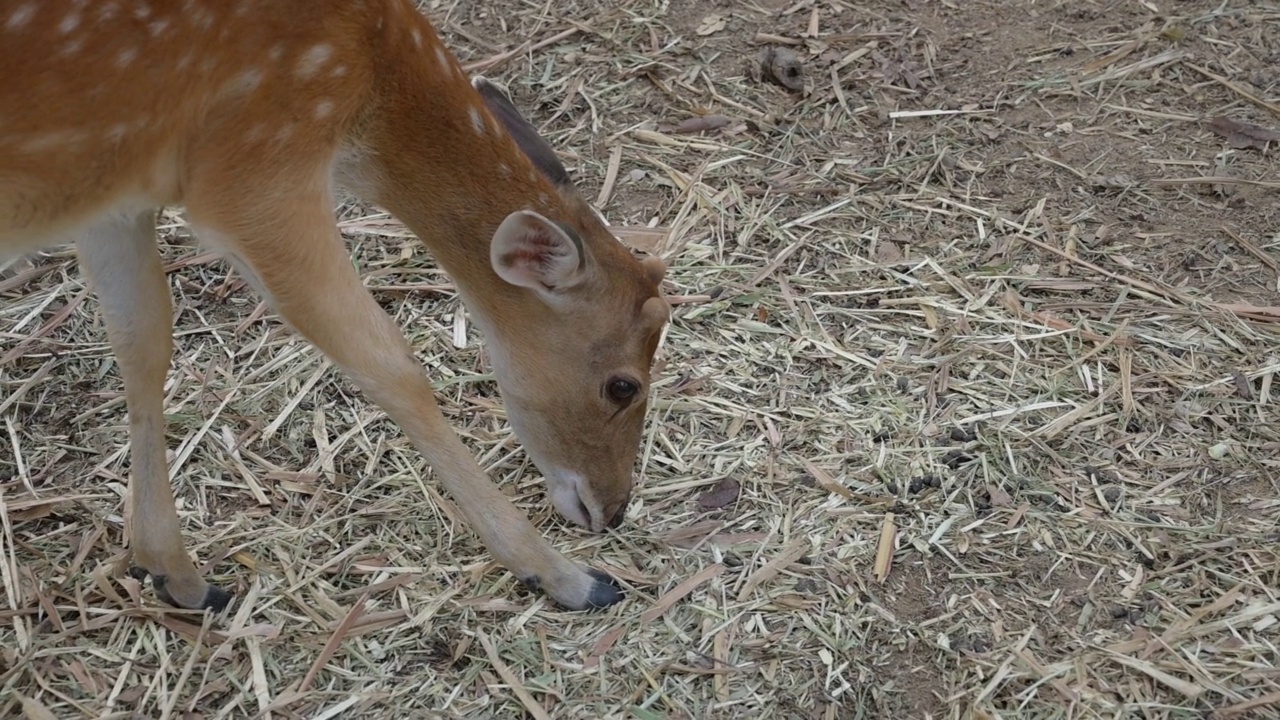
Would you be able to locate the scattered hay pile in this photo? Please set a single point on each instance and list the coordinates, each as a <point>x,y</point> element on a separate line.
<point>966,412</point>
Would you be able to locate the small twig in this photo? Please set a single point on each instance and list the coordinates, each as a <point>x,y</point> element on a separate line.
<point>500,59</point>
<point>1236,88</point>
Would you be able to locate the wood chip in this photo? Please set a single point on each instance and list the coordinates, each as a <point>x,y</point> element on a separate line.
<point>885,549</point>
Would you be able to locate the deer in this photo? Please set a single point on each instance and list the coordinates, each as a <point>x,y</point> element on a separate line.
<point>253,117</point>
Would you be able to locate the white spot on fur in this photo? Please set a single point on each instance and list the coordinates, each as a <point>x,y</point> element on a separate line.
<point>442,57</point>
<point>203,19</point>
<point>19,18</point>
<point>142,10</point>
<point>116,132</point>
<point>338,70</point>
<point>251,78</point>
<point>126,57</point>
<point>276,52</point>
<point>69,23</point>
<point>158,27</point>
<point>313,59</point>
<point>417,37</point>
<point>324,108</point>
<point>504,170</point>
<point>48,141</point>
<point>477,122</point>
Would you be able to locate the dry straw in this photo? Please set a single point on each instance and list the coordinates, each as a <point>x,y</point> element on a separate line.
<point>991,381</point>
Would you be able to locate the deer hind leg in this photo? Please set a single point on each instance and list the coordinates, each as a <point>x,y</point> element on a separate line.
<point>292,248</point>
<point>120,257</point>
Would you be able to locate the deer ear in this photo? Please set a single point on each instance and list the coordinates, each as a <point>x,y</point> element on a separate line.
<point>654,268</point>
<point>525,135</point>
<point>531,251</point>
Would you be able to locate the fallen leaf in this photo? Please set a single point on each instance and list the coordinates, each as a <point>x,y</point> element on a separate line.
<point>702,124</point>
<point>677,593</point>
<point>725,493</point>
<point>35,512</point>
<point>692,534</point>
<point>711,24</point>
<point>771,569</point>
<point>34,709</point>
<point>1261,313</point>
<point>999,498</point>
<point>888,251</point>
<point>884,548</point>
<point>1243,386</point>
<point>26,509</point>
<point>1241,134</point>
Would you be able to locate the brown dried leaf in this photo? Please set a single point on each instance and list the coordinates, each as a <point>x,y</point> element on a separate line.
<point>702,124</point>
<point>679,592</point>
<point>711,24</point>
<point>1241,134</point>
<point>884,548</point>
<point>34,709</point>
<point>1261,313</point>
<point>999,498</point>
<point>725,493</point>
<point>35,512</point>
<point>888,251</point>
<point>1243,386</point>
<point>26,509</point>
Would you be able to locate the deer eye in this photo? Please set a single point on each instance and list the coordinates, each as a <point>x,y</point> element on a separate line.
<point>621,390</point>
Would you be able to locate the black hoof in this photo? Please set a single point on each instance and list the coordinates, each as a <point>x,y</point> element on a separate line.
<point>605,591</point>
<point>215,598</point>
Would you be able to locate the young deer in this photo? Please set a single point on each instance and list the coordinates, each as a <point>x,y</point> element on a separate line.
<point>249,113</point>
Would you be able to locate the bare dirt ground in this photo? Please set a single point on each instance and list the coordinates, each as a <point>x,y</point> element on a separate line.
<point>965,411</point>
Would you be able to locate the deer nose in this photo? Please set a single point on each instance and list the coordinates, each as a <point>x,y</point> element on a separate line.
<point>621,513</point>
<point>575,501</point>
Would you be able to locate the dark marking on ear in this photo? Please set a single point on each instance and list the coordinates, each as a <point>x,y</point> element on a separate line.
<point>575,238</point>
<point>525,135</point>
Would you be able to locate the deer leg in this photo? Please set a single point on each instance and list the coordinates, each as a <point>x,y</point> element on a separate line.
<point>120,257</point>
<point>294,252</point>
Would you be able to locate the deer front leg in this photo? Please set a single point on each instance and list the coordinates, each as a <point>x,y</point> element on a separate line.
<point>298,259</point>
<point>120,258</point>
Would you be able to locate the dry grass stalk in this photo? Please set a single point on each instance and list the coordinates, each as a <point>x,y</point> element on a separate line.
<point>983,322</point>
